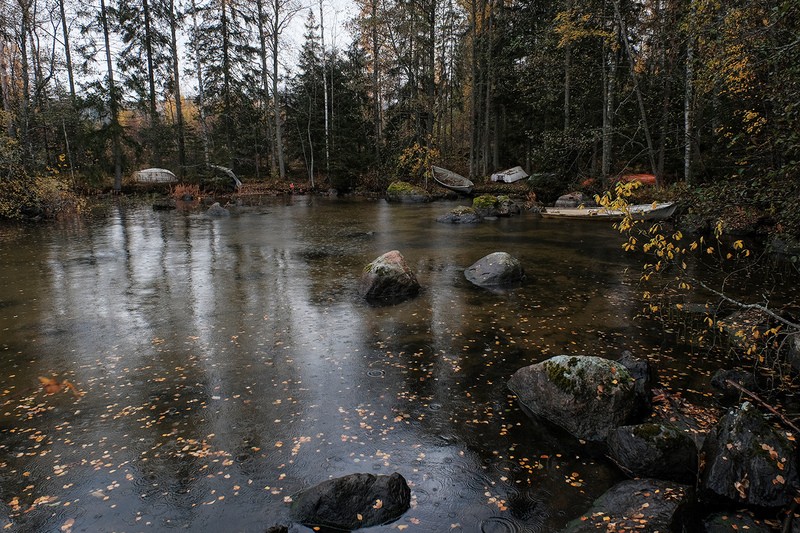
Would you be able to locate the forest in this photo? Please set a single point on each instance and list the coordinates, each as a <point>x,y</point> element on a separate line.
<point>703,94</point>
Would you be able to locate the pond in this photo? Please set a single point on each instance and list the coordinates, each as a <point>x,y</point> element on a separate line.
<point>227,363</point>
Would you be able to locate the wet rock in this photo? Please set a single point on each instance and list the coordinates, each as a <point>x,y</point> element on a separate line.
<point>388,278</point>
<point>507,207</point>
<point>352,502</point>
<point>460,215</point>
<point>486,205</point>
<point>217,210</point>
<point>575,199</point>
<point>654,450</point>
<point>720,382</point>
<point>733,522</point>
<point>793,351</point>
<point>404,192</point>
<point>645,377</point>
<point>277,529</point>
<point>748,461</point>
<point>587,396</point>
<point>495,270</point>
<point>741,327</point>
<point>645,505</point>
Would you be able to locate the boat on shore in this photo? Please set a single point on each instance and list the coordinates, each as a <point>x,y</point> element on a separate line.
<point>654,211</point>
<point>154,175</point>
<point>510,176</point>
<point>450,180</point>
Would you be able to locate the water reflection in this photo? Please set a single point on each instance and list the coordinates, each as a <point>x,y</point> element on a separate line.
<point>229,363</point>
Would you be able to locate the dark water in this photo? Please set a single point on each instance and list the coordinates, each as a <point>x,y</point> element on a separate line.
<point>228,363</point>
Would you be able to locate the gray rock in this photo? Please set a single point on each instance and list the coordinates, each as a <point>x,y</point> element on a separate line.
<point>749,461</point>
<point>636,505</point>
<point>587,396</point>
<point>575,199</point>
<point>388,278</point>
<point>461,215</point>
<point>495,270</point>
<point>217,210</point>
<point>654,450</point>
<point>720,382</point>
<point>352,502</point>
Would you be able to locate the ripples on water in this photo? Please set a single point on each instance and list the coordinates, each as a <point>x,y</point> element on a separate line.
<point>229,363</point>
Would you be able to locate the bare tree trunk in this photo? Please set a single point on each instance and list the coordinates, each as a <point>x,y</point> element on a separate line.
<point>176,78</point>
<point>262,39</point>
<point>113,101</point>
<point>609,112</point>
<point>648,138</point>
<point>567,76</point>
<point>5,87</point>
<point>151,78</point>
<point>687,111</point>
<point>67,52</point>
<point>200,91</point>
<point>473,145</point>
<point>376,87</point>
<point>325,96</point>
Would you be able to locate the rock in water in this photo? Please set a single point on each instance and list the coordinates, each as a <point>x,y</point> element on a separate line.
<point>352,502</point>
<point>654,450</point>
<point>217,210</point>
<point>636,505</point>
<point>587,396</point>
<point>749,461</point>
<point>388,278</point>
<point>495,270</point>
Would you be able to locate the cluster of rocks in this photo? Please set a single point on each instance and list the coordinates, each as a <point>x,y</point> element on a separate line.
<point>483,207</point>
<point>389,279</point>
<point>747,461</point>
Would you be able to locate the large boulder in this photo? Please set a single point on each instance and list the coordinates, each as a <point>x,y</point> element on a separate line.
<point>644,505</point>
<point>404,192</point>
<point>388,278</point>
<point>749,461</point>
<point>352,502</point>
<point>654,450</point>
<point>587,396</point>
<point>495,270</point>
<point>460,215</point>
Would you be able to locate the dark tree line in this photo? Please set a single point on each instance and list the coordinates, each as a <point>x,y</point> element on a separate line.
<point>693,91</point>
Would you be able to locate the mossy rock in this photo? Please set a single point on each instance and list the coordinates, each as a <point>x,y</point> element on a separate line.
<point>461,215</point>
<point>587,396</point>
<point>404,192</point>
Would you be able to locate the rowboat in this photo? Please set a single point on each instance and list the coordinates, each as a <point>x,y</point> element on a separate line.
<point>654,211</point>
<point>510,176</point>
<point>450,180</point>
<point>154,175</point>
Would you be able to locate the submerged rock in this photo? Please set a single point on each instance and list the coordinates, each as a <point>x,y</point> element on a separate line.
<point>388,278</point>
<point>720,382</point>
<point>645,505</point>
<point>587,396</point>
<point>654,450</point>
<point>749,461</point>
<point>495,270</point>
<point>217,210</point>
<point>352,502</point>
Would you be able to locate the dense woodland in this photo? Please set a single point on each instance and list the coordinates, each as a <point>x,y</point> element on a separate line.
<point>704,94</point>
